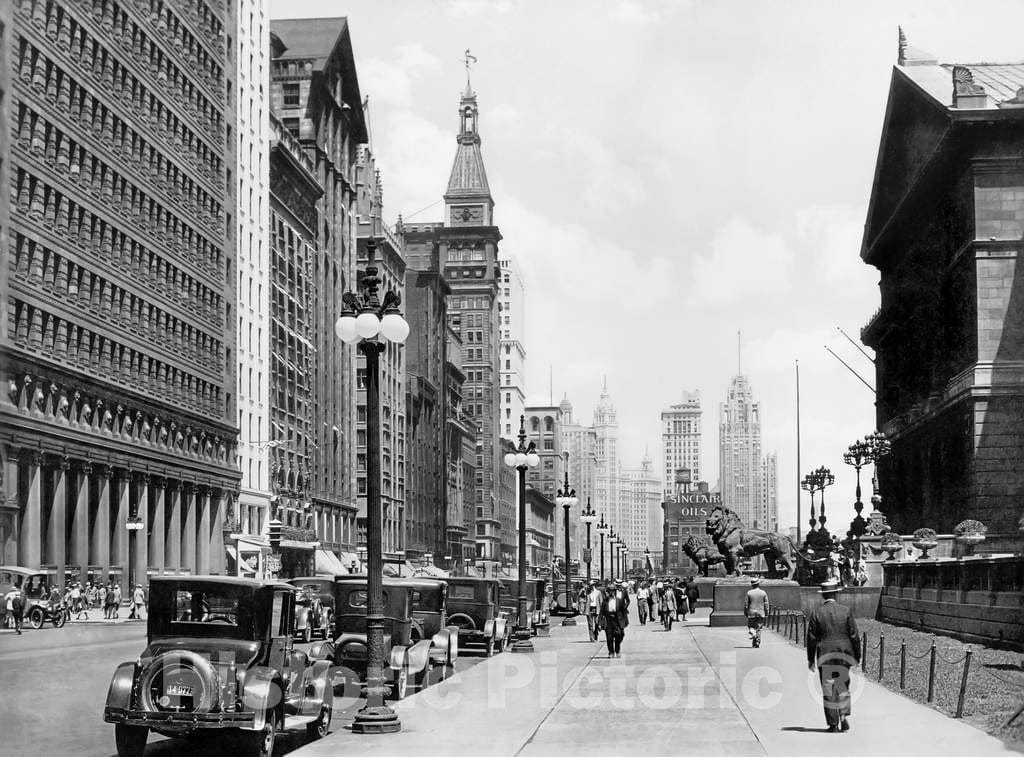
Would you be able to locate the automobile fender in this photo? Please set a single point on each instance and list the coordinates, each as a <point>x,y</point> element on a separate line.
<point>398,657</point>
<point>491,629</point>
<point>500,628</point>
<point>418,655</point>
<point>316,687</point>
<point>302,618</point>
<point>262,691</point>
<point>119,694</point>
<point>322,650</point>
<point>453,645</point>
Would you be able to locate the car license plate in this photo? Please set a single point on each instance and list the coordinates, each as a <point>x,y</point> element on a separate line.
<point>179,690</point>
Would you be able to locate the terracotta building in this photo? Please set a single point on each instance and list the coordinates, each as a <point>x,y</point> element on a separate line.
<point>944,229</point>
<point>119,287</point>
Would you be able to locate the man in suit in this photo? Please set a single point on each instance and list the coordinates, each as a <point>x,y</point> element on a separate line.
<point>756,609</point>
<point>692,594</point>
<point>833,645</point>
<point>616,618</point>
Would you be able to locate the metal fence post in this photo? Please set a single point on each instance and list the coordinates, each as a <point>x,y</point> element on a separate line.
<point>864,651</point>
<point>931,675</point>
<point>963,684</point>
<point>903,664</point>
<point>881,656</point>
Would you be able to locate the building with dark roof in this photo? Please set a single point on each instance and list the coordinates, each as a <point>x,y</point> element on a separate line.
<point>944,228</point>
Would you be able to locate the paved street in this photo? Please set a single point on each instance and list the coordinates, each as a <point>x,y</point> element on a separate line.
<point>55,682</point>
<point>694,689</point>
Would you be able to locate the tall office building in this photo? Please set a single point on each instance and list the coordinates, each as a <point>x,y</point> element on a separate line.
<point>740,453</point>
<point>640,492</point>
<point>512,352</point>
<point>770,492</point>
<point>119,287</point>
<point>681,441</point>
<point>580,442</point>
<point>606,477</point>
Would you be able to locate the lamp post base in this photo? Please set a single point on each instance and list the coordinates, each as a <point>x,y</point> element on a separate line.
<point>522,646</point>
<point>376,720</point>
<point>569,621</point>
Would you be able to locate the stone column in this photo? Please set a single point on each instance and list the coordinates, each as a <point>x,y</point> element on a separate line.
<point>99,552</point>
<point>78,551</point>
<point>119,526</point>
<point>29,536</point>
<point>188,527</point>
<point>9,508</point>
<point>203,536</point>
<point>172,533</point>
<point>157,558</point>
<point>55,536</point>
<point>141,509</point>
<point>218,564</point>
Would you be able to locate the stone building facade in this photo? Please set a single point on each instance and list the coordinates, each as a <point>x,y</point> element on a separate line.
<point>315,93</point>
<point>544,428</point>
<point>512,350</point>
<point>119,287</point>
<point>739,452</point>
<point>581,444</point>
<point>682,440</point>
<point>944,229</point>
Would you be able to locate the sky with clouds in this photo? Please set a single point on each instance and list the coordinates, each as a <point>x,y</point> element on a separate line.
<point>667,174</point>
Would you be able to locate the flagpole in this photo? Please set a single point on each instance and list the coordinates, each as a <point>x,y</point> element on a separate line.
<point>798,468</point>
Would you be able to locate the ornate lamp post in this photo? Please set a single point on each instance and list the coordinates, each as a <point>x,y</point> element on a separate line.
<point>623,551</point>
<point>588,516</point>
<point>566,497</point>
<point>809,484</point>
<point>613,539</point>
<point>647,561</point>
<point>524,458</point>
<point>857,456</point>
<point>365,318</point>
<point>602,531</point>
<point>825,480</point>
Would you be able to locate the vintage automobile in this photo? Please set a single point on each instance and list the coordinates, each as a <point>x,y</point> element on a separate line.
<point>474,608</point>
<point>562,605</point>
<point>219,656</point>
<point>35,585</point>
<point>430,618</point>
<point>408,661</point>
<point>537,601</point>
<point>314,606</point>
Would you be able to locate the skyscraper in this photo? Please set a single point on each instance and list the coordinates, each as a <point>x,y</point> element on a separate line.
<point>606,477</point>
<point>512,352</point>
<point>640,492</point>
<point>681,441</point>
<point>739,423</point>
<point>770,492</point>
<point>581,444</point>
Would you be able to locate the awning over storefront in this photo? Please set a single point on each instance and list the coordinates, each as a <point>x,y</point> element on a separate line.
<point>245,565</point>
<point>328,564</point>
<point>293,544</point>
<point>431,571</point>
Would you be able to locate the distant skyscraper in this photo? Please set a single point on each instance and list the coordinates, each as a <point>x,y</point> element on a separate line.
<point>640,494</point>
<point>770,491</point>
<point>606,478</point>
<point>512,353</point>
<point>581,444</point>
<point>740,453</point>
<point>681,440</point>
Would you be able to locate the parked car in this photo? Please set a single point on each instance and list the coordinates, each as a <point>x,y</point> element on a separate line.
<point>474,608</point>
<point>430,618</point>
<point>35,584</point>
<point>409,661</point>
<point>314,606</point>
<point>219,655</point>
<point>537,601</point>
<point>562,605</point>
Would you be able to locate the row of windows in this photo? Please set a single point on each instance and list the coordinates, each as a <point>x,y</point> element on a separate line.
<point>143,104</point>
<point>69,156</point>
<point>105,242</point>
<point>33,328</point>
<point>470,303</point>
<point>465,255</point>
<point>80,287</point>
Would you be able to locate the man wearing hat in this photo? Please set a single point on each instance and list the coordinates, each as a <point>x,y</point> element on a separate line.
<point>616,618</point>
<point>756,610</point>
<point>833,645</point>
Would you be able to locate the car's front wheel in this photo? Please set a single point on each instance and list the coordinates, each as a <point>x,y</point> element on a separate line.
<point>60,617</point>
<point>263,740</point>
<point>36,618</point>
<point>130,740</point>
<point>319,727</point>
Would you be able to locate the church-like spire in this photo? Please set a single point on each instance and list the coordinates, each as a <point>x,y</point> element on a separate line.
<point>468,196</point>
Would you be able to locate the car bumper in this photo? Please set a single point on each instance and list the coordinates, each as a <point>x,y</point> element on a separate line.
<point>181,722</point>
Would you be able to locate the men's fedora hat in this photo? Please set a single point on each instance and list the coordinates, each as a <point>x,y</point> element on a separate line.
<point>755,581</point>
<point>831,586</point>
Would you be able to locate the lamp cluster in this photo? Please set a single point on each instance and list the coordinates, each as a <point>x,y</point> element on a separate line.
<point>364,316</point>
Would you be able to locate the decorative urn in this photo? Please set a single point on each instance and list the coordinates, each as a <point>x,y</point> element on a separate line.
<point>924,539</point>
<point>970,533</point>
<point>892,543</point>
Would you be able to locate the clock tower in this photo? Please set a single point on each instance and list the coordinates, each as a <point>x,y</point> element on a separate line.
<point>468,199</point>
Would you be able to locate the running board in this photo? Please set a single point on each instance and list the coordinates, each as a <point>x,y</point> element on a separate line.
<point>292,722</point>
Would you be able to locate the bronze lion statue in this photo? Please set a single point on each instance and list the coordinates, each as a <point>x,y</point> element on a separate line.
<point>702,553</point>
<point>736,542</point>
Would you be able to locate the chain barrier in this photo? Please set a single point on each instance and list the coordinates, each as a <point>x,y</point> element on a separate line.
<point>1019,683</point>
<point>953,662</point>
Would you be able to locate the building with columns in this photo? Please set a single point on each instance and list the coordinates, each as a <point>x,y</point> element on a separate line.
<point>944,228</point>
<point>119,288</point>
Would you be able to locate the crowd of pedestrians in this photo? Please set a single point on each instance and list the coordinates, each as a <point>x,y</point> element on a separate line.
<point>76,601</point>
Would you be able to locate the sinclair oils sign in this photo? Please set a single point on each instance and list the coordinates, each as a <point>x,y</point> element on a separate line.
<point>690,508</point>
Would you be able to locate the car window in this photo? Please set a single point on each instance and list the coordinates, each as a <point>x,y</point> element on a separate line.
<point>278,620</point>
<point>416,603</point>
<point>206,606</point>
<point>461,592</point>
<point>358,599</point>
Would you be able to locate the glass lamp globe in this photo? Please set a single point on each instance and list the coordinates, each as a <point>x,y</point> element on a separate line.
<point>394,327</point>
<point>520,459</point>
<point>345,328</point>
<point>510,459</point>
<point>367,325</point>
<point>533,459</point>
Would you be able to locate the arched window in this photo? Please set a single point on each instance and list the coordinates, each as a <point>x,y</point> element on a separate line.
<point>549,424</point>
<point>534,423</point>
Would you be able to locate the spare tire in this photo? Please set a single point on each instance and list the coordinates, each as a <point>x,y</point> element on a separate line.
<point>462,620</point>
<point>179,682</point>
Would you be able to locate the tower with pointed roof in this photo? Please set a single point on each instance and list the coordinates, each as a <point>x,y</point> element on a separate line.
<point>606,478</point>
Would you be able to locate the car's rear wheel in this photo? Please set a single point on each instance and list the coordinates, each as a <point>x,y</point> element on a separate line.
<point>36,617</point>
<point>60,617</point>
<point>319,727</point>
<point>130,740</point>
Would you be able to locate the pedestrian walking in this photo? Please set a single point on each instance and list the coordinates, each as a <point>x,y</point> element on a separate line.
<point>595,599</point>
<point>756,609</point>
<point>117,601</point>
<point>666,605</point>
<point>692,594</point>
<point>78,602</point>
<point>14,604</point>
<point>138,602</point>
<point>680,597</point>
<point>616,617</point>
<point>642,594</point>
<point>833,646</point>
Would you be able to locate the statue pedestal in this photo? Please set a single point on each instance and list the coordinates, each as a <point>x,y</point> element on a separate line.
<point>731,594</point>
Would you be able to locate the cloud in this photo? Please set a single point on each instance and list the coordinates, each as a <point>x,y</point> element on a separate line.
<point>743,264</point>
<point>392,80</point>
<point>632,12</point>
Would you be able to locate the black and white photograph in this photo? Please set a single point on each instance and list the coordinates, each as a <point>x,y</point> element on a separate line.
<point>509,377</point>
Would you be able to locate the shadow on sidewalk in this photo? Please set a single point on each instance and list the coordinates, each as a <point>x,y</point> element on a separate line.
<point>803,729</point>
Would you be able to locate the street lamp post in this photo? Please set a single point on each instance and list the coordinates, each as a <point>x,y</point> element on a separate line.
<point>647,561</point>
<point>365,318</point>
<point>134,524</point>
<point>588,516</point>
<point>524,458</point>
<point>613,539</point>
<point>857,456</point>
<point>825,480</point>
<point>810,485</point>
<point>602,531</point>
<point>567,499</point>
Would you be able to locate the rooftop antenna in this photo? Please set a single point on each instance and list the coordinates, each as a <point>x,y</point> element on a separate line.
<point>470,60</point>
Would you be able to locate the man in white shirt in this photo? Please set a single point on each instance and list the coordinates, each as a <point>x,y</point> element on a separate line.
<point>641,602</point>
<point>595,598</point>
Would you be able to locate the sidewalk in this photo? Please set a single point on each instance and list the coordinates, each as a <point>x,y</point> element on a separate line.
<point>95,618</point>
<point>693,689</point>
